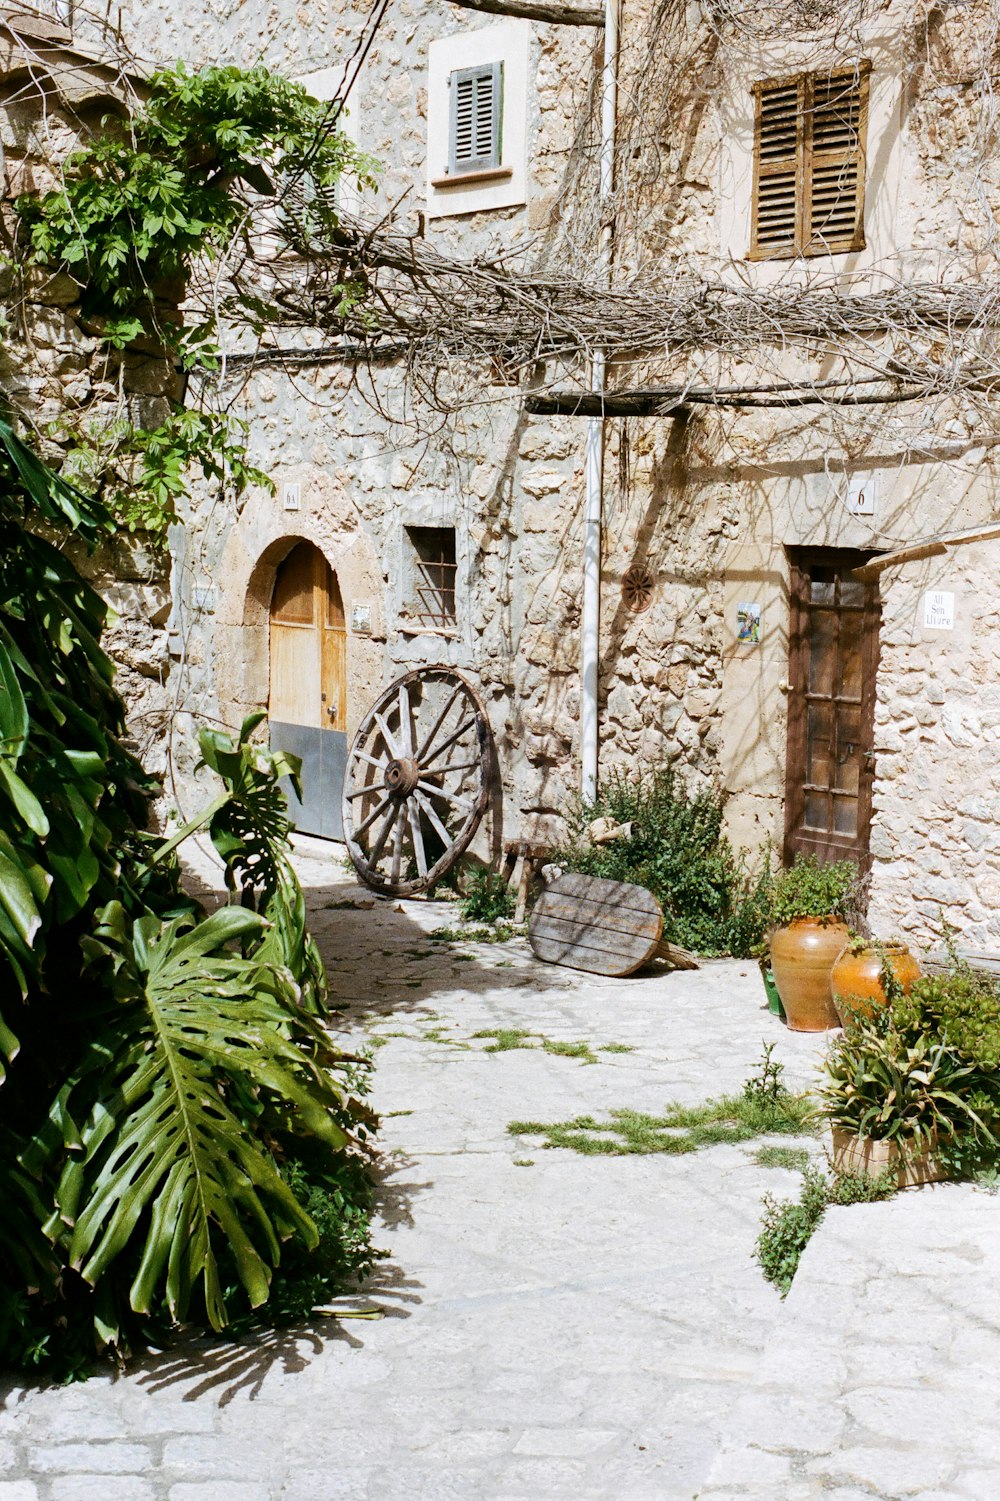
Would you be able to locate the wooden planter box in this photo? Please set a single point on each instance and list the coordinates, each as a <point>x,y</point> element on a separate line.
<point>860,1154</point>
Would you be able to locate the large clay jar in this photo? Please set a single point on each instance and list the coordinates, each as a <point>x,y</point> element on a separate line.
<point>802,956</point>
<point>856,979</point>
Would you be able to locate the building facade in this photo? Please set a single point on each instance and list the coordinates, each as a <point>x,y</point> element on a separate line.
<point>795,595</point>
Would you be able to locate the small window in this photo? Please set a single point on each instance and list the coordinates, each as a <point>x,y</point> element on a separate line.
<point>809,164</point>
<point>476,112</point>
<point>431,601</point>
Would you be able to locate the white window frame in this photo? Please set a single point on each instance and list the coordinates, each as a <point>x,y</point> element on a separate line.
<point>478,184</point>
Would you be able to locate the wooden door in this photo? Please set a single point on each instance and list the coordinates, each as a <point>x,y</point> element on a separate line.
<point>307,706</point>
<point>833,659</point>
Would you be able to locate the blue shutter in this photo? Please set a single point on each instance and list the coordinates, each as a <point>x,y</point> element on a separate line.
<point>474,143</point>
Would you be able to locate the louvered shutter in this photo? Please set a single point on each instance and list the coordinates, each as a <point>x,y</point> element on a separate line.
<point>776,168</point>
<point>475,118</point>
<point>835,167</point>
<point>809,164</point>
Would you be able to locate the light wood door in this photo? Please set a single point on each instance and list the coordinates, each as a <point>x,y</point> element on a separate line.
<point>307,705</point>
<point>833,660</point>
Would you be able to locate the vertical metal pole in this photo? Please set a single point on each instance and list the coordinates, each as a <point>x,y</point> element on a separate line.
<point>594,505</point>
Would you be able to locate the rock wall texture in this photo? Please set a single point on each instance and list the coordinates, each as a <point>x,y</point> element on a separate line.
<point>53,371</point>
<point>708,503</point>
<point>936,838</point>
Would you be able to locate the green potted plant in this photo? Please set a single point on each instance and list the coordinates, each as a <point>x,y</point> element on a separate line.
<point>810,905</point>
<point>900,1098</point>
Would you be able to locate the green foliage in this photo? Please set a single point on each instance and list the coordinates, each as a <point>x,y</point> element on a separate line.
<point>138,206</point>
<point>136,211</point>
<point>809,889</point>
<point>677,850</point>
<point>923,1071</point>
<point>792,1159</point>
<point>510,1039</point>
<point>503,933</point>
<point>143,472</point>
<point>162,1064</point>
<point>963,1007</point>
<point>766,1087</point>
<point>787,1227</point>
<point>896,1084</point>
<point>681,1129</point>
<point>488,897</point>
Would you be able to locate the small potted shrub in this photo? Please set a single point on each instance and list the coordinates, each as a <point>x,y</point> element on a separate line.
<point>901,1098</point>
<point>871,973</point>
<point>810,904</point>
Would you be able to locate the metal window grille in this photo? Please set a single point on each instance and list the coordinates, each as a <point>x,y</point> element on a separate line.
<point>435,567</point>
<point>474,139</point>
<point>809,164</point>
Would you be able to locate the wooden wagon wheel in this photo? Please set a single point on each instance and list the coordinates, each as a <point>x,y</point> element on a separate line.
<point>417,781</point>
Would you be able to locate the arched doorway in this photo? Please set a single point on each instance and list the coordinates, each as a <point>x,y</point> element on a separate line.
<point>307,701</point>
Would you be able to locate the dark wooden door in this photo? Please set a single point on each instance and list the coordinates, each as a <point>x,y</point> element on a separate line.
<point>833,659</point>
<point>307,709</point>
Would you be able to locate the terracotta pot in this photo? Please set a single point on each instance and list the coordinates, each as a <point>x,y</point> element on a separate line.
<point>861,1155</point>
<point>856,979</point>
<point>802,955</point>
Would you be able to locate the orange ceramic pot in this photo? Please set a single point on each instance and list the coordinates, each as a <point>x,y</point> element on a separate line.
<point>856,979</point>
<point>802,956</point>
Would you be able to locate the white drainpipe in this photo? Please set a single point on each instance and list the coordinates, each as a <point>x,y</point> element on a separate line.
<point>591,626</point>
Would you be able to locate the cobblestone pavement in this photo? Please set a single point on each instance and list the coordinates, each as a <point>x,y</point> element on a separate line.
<point>880,1376</point>
<point>555,1325</point>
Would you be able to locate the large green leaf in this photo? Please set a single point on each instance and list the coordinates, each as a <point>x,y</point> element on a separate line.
<point>57,500</point>
<point>165,1169</point>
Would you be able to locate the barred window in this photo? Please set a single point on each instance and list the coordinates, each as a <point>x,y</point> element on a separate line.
<point>809,164</point>
<point>432,571</point>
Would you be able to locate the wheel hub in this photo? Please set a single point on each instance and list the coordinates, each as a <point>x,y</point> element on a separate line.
<point>401,776</point>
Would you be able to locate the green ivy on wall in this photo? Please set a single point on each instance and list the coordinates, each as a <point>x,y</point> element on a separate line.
<point>212,165</point>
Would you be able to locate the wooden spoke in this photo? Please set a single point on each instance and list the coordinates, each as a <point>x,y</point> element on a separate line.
<point>429,760</point>
<point>451,797</point>
<point>405,722</point>
<point>432,818</point>
<point>387,735</point>
<point>373,814</point>
<point>426,745</point>
<point>398,761</point>
<point>379,844</point>
<point>397,851</point>
<point>420,854</point>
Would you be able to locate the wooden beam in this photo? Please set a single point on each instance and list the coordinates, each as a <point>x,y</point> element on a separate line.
<point>672,402</point>
<point>539,10</point>
<point>606,404</point>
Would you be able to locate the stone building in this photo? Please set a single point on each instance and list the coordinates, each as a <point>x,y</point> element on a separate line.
<point>841,711</point>
<point>56,92</point>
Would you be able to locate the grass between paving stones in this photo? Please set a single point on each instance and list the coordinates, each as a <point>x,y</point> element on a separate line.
<point>501,934</point>
<point>681,1128</point>
<point>507,1039</point>
<point>795,1159</point>
<point>787,1227</point>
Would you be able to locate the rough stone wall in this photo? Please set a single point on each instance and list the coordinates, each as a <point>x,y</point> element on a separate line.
<point>53,96</point>
<point>936,838</point>
<point>711,503</point>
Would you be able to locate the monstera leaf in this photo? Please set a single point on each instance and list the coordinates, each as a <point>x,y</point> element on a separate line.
<point>163,1170</point>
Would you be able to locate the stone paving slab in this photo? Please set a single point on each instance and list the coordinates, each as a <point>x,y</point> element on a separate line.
<point>879,1377</point>
<point>578,1327</point>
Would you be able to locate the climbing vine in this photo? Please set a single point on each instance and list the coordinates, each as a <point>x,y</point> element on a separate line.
<point>198,176</point>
